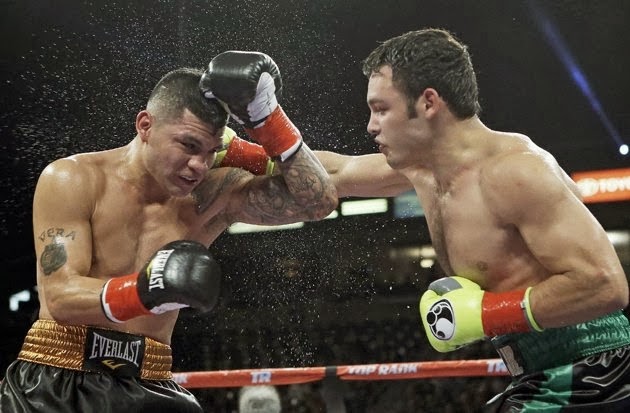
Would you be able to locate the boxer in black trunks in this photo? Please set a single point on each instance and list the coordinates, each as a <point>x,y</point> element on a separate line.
<point>121,239</point>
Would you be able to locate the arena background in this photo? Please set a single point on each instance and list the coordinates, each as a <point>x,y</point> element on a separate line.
<point>340,291</point>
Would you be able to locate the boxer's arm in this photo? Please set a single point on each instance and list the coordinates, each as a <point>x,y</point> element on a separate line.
<point>248,84</point>
<point>300,192</point>
<point>359,176</point>
<point>587,278</point>
<point>363,175</point>
<point>62,208</point>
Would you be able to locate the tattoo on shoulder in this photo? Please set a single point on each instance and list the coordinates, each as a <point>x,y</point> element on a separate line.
<point>53,257</point>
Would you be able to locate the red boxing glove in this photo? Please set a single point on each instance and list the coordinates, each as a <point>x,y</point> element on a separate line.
<point>507,312</point>
<point>120,300</point>
<point>278,135</point>
<point>246,155</point>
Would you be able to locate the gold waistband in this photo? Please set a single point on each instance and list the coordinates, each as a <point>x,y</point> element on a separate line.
<point>64,346</point>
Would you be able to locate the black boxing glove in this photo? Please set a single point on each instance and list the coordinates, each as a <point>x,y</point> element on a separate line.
<point>180,274</point>
<point>248,84</point>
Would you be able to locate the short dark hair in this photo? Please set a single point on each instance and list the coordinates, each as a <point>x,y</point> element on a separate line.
<point>429,58</point>
<point>179,90</point>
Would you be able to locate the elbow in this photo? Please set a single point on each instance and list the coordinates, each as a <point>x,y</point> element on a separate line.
<point>615,294</point>
<point>621,299</point>
<point>327,203</point>
<point>56,304</point>
<point>56,309</point>
<point>322,209</point>
<point>617,303</point>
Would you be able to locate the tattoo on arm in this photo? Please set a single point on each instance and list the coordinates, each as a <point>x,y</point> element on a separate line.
<point>54,233</point>
<point>209,189</point>
<point>53,257</point>
<point>302,192</point>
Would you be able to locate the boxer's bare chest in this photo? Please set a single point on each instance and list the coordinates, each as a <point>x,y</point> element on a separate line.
<point>469,239</point>
<point>127,229</point>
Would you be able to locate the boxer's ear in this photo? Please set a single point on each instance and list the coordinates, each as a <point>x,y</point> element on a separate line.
<point>144,121</point>
<point>429,103</point>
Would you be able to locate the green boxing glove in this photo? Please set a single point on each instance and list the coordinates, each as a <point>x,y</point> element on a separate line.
<point>456,312</point>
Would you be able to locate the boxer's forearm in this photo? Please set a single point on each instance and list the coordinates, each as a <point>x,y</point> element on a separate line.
<point>363,175</point>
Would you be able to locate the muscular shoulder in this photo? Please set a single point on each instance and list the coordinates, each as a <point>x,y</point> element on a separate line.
<point>74,171</point>
<point>519,181</point>
<point>75,179</point>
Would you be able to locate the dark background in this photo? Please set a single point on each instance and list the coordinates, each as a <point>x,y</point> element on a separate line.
<point>75,73</point>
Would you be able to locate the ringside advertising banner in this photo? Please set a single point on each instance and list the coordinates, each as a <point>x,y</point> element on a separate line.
<point>604,185</point>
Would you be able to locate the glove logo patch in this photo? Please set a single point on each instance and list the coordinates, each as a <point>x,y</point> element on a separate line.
<point>156,275</point>
<point>441,320</point>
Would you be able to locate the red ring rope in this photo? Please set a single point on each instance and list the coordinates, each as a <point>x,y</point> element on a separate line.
<point>383,371</point>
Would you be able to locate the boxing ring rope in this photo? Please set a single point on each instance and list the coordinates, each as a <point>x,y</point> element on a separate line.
<point>300,375</point>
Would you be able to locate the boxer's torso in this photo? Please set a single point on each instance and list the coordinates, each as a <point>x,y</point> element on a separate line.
<point>127,229</point>
<point>469,237</point>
